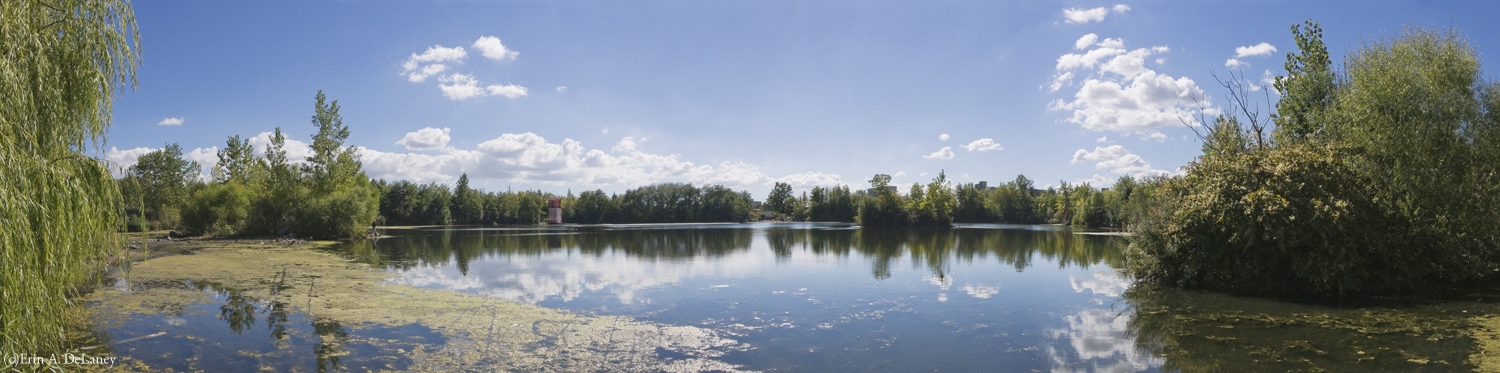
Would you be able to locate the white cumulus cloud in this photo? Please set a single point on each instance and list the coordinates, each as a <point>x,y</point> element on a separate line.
<point>983,145</point>
<point>943,137</point>
<point>944,153</point>
<point>1085,41</point>
<point>296,150</point>
<point>425,139</point>
<point>121,160</point>
<point>1116,159</point>
<point>170,122</point>
<point>528,157</point>
<point>459,86</point>
<point>1262,49</point>
<point>1076,15</point>
<point>1088,59</point>
<point>420,66</point>
<point>1079,16</point>
<point>1235,63</point>
<point>491,48</point>
<point>1122,94</point>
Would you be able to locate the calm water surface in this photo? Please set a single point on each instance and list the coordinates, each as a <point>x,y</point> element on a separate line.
<point>830,297</point>
<point>815,297</point>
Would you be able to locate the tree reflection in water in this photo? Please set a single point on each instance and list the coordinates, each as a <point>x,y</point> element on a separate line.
<point>533,264</point>
<point>933,248</point>
<point>240,312</point>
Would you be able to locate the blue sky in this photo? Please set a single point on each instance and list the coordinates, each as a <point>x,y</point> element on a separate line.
<point>611,95</point>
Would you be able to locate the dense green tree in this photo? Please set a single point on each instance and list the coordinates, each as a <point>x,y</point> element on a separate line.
<point>236,161</point>
<point>467,206</point>
<point>593,207</point>
<point>780,200</point>
<point>973,206</point>
<point>63,63</point>
<point>281,190</point>
<point>834,204</point>
<point>1089,206</point>
<point>218,209</point>
<point>164,177</point>
<point>332,165</point>
<point>342,203</point>
<point>1307,89</point>
<point>1015,201</point>
<point>883,208</point>
<point>934,204</point>
<point>1394,192</point>
<point>721,204</point>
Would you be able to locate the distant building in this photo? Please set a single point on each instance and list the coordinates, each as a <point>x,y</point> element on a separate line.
<point>982,186</point>
<point>755,205</point>
<point>891,188</point>
<point>554,210</point>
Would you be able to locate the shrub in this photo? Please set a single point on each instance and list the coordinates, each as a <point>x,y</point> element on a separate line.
<point>217,209</point>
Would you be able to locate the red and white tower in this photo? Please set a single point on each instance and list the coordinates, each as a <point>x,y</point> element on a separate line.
<point>554,210</point>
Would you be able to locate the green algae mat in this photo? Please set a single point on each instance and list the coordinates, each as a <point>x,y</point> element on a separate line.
<point>478,333</point>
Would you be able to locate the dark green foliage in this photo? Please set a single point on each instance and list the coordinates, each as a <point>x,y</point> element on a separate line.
<point>1014,202</point>
<point>236,161</point>
<point>217,209</point>
<point>1307,89</point>
<point>342,202</point>
<point>406,203</point>
<point>884,208</point>
<point>973,206</point>
<point>1289,220</point>
<point>468,206</point>
<point>780,200</point>
<point>344,213</point>
<point>593,207</point>
<point>933,206</point>
<point>1396,190</point>
<point>163,177</point>
<point>719,203</point>
<point>328,197</point>
<point>1089,207</point>
<point>660,203</point>
<point>281,187</point>
<point>832,204</point>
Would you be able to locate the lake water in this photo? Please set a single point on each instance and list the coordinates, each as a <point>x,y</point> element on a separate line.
<point>814,297</point>
<point>831,297</point>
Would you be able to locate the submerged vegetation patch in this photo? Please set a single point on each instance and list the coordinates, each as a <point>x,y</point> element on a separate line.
<point>1197,331</point>
<point>481,333</point>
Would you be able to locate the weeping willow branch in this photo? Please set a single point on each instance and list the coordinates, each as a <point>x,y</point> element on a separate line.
<point>61,208</point>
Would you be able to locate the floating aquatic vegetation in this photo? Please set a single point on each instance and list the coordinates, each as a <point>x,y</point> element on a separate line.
<point>481,333</point>
<point>1214,332</point>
